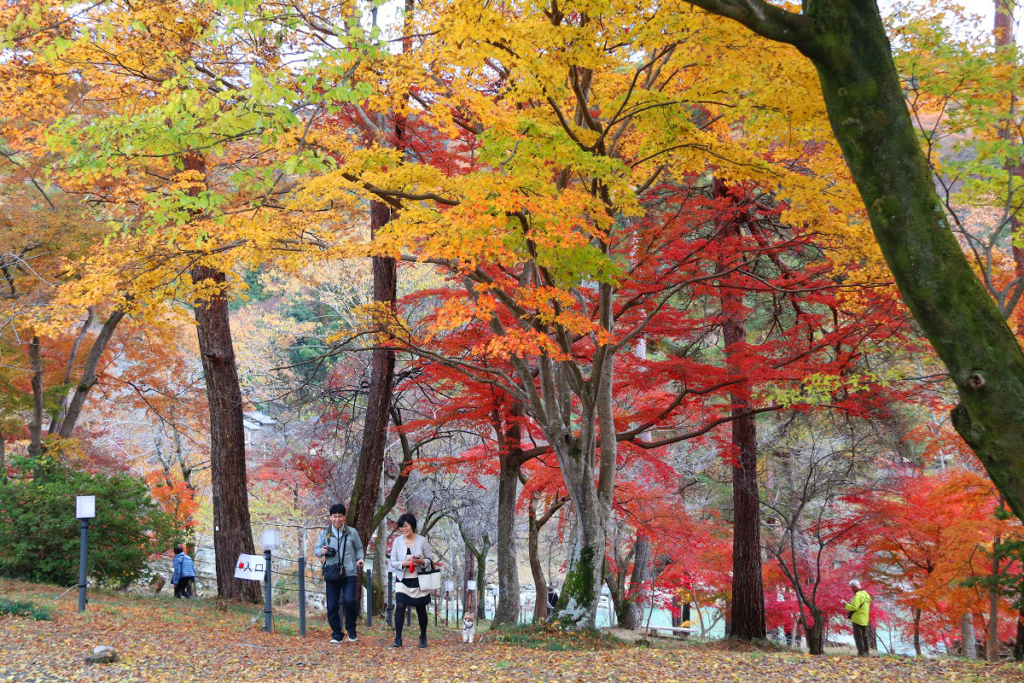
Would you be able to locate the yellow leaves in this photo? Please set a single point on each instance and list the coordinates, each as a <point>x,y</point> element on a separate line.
<point>186,181</point>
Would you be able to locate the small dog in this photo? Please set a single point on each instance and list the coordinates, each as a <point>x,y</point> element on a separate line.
<point>468,629</point>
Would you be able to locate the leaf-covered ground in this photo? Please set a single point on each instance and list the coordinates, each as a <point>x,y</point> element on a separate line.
<point>160,639</point>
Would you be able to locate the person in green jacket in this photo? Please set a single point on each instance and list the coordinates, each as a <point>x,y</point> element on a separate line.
<point>860,614</point>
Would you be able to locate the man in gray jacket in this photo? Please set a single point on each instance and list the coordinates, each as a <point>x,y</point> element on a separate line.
<point>342,551</point>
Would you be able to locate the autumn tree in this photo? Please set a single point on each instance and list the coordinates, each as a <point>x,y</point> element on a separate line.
<point>847,43</point>
<point>553,308</point>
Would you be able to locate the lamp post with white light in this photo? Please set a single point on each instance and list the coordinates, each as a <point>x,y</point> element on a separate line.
<point>271,540</point>
<point>85,509</point>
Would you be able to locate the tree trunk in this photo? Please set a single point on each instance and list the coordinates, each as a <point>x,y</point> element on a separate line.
<point>366,489</point>
<point>816,633</point>
<point>232,526</point>
<point>89,378</point>
<point>968,641</point>
<point>540,608</point>
<point>35,426</point>
<point>847,42</point>
<point>379,555</point>
<point>869,117</point>
<point>58,415</point>
<point>992,648</point>
<point>1003,34</point>
<point>540,605</point>
<point>632,613</point>
<point>917,632</point>
<point>581,591</point>
<point>470,575</point>
<point>748,617</point>
<point>481,582</point>
<point>507,609</point>
<point>1018,645</point>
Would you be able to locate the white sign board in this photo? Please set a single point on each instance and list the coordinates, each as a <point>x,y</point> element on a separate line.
<point>85,507</point>
<point>471,585</point>
<point>251,567</point>
<point>271,539</point>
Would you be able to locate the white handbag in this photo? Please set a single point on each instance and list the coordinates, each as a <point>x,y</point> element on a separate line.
<point>430,580</point>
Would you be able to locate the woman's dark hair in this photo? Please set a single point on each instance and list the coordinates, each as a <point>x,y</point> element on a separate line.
<point>337,509</point>
<point>407,517</point>
<point>178,550</point>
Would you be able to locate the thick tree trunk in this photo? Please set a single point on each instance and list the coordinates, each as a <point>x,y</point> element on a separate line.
<point>366,490</point>
<point>232,526</point>
<point>816,634</point>
<point>631,615</point>
<point>969,644</point>
<point>578,602</point>
<point>869,117</point>
<point>847,42</point>
<point>748,616</point>
<point>507,609</point>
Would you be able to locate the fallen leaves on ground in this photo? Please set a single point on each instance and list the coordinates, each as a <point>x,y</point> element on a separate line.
<point>161,639</point>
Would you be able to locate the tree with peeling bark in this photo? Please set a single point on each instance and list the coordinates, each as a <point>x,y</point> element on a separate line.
<point>847,42</point>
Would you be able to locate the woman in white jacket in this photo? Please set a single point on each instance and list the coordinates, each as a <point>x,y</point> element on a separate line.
<point>410,555</point>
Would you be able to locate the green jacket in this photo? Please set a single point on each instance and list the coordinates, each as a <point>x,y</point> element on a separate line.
<point>861,608</point>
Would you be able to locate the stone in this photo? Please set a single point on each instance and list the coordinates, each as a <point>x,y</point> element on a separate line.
<point>101,654</point>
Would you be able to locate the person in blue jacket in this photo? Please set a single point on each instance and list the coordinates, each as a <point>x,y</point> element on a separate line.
<point>184,576</point>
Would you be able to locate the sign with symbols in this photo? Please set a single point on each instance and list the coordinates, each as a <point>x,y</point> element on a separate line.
<point>250,567</point>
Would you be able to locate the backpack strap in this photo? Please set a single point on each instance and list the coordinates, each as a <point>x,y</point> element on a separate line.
<point>344,548</point>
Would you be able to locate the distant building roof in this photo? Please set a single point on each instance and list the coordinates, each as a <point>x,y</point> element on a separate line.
<point>259,418</point>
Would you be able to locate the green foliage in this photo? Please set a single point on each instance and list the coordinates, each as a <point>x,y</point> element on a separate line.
<point>1010,553</point>
<point>20,608</point>
<point>255,290</point>
<point>40,535</point>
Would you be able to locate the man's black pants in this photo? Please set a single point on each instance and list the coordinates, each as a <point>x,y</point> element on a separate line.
<point>341,595</point>
<point>183,589</point>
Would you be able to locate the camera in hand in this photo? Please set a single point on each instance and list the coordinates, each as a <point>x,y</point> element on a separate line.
<point>330,552</point>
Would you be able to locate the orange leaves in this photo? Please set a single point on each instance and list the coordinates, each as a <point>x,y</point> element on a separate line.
<point>177,497</point>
